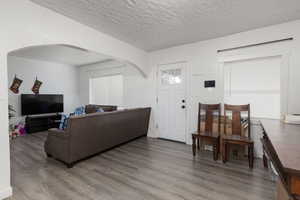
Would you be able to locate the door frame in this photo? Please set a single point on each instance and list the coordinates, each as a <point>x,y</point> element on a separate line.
<point>187,99</point>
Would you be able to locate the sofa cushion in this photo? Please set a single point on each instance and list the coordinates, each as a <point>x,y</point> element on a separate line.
<point>100,110</point>
<point>93,108</point>
<point>80,110</point>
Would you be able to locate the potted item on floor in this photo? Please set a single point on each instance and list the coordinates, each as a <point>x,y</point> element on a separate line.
<point>19,130</point>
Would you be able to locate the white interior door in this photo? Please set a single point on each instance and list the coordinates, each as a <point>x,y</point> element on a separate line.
<point>172,102</point>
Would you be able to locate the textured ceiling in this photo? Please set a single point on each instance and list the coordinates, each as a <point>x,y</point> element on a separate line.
<point>60,54</point>
<point>157,24</point>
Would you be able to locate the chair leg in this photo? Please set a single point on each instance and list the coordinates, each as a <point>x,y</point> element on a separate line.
<point>215,150</point>
<point>224,152</point>
<point>227,152</point>
<point>265,160</point>
<point>198,143</point>
<point>218,145</point>
<point>251,155</point>
<point>194,145</point>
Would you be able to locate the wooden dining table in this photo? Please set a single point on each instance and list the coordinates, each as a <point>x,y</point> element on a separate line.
<point>281,145</point>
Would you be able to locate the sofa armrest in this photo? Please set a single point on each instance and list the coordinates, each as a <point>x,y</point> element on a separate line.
<point>55,132</point>
<point>57,144</point>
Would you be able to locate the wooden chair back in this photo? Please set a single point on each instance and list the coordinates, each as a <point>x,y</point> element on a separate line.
<point>236,122</point>
<point>210,111</point>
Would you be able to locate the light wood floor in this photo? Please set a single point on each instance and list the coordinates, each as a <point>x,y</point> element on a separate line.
<point>143,169</point>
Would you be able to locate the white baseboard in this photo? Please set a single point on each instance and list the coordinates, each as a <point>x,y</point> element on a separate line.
<point>151,136</point>
<point>5,193</point>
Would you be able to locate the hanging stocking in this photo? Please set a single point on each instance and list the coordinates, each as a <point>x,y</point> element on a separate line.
<point>36,86</point>
<point>16,85</point>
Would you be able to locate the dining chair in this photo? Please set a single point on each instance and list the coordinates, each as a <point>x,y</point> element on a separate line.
<point>237,137</point>
<point>207,133</point>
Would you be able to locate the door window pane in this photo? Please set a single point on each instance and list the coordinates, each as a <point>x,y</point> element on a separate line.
<point>171,76</point>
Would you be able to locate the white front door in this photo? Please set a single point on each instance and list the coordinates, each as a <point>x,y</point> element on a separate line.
<point>171,102</point>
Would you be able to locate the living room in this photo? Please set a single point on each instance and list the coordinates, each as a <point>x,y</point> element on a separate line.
<point>70,76</point>
<point>162,62</point>
<point>47,85</point>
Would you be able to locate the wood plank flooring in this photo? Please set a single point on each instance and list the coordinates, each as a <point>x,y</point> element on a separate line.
<point>145,169</point>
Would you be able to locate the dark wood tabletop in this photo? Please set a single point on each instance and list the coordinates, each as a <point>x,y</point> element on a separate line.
<point>285,139</point>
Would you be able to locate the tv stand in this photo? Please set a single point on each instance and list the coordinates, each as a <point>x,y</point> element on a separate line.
<point>35,124</point>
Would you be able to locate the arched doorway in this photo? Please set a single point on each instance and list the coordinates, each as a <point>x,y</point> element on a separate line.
<point>48,53</point>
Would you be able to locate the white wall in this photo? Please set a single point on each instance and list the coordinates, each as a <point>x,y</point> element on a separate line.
<point>24,24</point>
<point>56,78</point>
<point>203,64</point>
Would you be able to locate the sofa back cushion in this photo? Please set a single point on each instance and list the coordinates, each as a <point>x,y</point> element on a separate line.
<point>94,108</point>
<point>96,132</point>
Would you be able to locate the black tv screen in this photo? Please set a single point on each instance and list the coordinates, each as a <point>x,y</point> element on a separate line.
<point>41,104</point>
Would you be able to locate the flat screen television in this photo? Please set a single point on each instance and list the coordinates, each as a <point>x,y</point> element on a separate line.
<point>32,104</point>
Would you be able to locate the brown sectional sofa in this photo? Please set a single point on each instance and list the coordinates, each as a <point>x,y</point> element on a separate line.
<point>90,134</point>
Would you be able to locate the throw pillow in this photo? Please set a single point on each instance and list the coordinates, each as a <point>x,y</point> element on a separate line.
<point>80,111</point>
<point>100,110</point>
